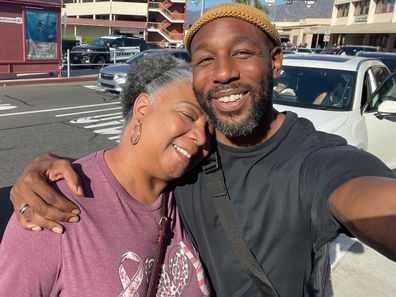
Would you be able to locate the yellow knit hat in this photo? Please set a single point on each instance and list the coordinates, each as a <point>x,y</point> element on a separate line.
<point>244,12</point>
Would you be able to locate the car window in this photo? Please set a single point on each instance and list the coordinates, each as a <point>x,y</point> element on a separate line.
<point>387,91</point>
<point>315,88</point>
<point>380,74</point>
<point>131,42</point>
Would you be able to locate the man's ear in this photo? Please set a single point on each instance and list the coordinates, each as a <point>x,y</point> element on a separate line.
<point>140,108</point>
<point>276,59</point>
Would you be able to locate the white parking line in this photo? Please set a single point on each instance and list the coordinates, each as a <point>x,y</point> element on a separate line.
<point>56,109</point>
<point>84,112</point>
<point>112,123</point>
<point>88,120</point>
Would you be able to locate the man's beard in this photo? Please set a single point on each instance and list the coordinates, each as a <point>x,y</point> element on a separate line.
<point>261,102</point>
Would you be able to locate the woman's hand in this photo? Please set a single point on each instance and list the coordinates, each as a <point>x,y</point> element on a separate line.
<point>37,205</point>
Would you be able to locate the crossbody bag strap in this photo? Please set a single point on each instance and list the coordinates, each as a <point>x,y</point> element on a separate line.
<point>218,191</point>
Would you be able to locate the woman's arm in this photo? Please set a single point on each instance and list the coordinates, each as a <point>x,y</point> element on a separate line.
<point>29,262</point>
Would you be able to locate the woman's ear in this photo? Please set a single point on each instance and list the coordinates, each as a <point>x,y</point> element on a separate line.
<point>276,59</point>
<point>142,103</point>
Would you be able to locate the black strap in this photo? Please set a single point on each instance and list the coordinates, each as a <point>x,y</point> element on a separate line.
<point>163,234</point>
<point>218,191</point>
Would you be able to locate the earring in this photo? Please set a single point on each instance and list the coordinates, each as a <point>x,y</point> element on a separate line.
<point>137,131</point>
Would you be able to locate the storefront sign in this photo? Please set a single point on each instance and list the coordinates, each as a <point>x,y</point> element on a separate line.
<point>16,20</point>
<point>360,18</point>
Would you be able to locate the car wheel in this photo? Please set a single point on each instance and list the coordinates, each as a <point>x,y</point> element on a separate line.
<point>101,61</point>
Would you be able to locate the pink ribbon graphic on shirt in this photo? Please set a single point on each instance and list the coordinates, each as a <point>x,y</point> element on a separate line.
<point>130,285</point>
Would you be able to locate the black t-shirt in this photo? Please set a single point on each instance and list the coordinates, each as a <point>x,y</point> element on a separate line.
<point>279,190</point>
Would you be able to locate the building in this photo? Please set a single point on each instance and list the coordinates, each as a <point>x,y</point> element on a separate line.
<point>160,22</point>
<point>367,22</point>
<point>299,24</point>
<point>30,37</point>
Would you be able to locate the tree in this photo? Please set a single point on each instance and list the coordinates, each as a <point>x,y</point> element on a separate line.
<point>257,4</point>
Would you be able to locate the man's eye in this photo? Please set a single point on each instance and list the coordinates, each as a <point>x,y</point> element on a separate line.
<point>204,60</point>
<point>243,54</point>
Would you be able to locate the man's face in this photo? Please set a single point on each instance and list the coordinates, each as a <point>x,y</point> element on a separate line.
<point>232,69</point>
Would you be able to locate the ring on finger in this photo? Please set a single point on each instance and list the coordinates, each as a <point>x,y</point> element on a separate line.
<point>23,208</point>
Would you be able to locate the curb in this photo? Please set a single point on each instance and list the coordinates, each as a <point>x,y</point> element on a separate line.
<point>54,80</point>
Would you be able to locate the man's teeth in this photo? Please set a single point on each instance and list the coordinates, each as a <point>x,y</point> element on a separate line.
<point>230,98</point>
<point>183,151</point>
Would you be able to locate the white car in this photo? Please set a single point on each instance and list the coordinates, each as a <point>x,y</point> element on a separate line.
<point>353,97</point>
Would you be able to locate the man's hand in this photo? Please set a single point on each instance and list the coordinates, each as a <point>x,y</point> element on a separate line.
<point>44,207</point>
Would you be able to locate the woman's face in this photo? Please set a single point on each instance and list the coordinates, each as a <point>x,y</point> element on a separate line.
<point>175,131</point>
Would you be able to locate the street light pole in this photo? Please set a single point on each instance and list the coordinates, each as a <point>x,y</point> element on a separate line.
<point>202,6</point>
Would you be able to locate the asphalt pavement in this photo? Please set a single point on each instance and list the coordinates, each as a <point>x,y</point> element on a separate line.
<point>357,270</point>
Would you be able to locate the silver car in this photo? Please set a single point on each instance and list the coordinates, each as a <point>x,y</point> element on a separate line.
<point>113,77</point>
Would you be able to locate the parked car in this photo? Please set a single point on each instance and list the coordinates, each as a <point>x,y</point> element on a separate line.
<point>68,45</point>
<point>389,59</point>
<point>113,77</point>
<point>329,51</point>
<point>107,48</point>
<point>351,50</point>
<point>298,50</point>
<point>360,104</point>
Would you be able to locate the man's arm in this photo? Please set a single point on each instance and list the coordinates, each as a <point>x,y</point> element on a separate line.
<point>366,206</point>
<point>46,206</point>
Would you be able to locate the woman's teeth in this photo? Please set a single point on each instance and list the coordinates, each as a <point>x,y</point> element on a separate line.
<point>182,151</point>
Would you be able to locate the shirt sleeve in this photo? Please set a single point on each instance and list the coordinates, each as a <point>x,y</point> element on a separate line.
<point>29,261</point>
<point>325,170</point>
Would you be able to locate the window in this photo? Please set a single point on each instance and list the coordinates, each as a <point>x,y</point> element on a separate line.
<point>342,10</point>
<point>362,7</point>
<point>380,74</point>
<point>386,92</point>
<point>385,6</point>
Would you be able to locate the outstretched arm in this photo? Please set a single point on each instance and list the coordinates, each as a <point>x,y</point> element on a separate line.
<point>46,207</point>
<point>366,206</point>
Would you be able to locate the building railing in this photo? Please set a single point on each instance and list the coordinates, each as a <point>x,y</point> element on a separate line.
<point>175,16</point>
<point>171,36</point>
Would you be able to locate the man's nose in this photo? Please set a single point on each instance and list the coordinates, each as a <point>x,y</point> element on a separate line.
<point>225,71</point>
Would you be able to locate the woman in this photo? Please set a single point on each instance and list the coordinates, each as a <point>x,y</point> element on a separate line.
<point>166,133</point>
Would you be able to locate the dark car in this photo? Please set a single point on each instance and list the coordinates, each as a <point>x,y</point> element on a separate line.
<point>329,51</point>
<point>112,77</point>
<point>351,50</point>
<point>68,45</point>
<point>107,48</point>
<point>389,59</point>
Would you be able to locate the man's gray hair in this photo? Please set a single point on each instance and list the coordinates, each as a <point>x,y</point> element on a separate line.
<point>149,74</point>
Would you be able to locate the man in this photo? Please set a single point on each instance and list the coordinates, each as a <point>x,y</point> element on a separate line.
<point>292,188</point>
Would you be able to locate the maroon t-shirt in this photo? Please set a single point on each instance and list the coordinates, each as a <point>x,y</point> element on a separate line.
<point>109,252</point>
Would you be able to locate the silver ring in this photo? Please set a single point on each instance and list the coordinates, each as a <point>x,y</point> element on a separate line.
<point>23,208</point>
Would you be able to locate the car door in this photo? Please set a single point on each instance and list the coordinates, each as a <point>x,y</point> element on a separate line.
<point>380,116</point>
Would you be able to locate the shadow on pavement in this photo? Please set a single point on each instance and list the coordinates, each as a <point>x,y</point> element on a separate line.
<point>6,209</point>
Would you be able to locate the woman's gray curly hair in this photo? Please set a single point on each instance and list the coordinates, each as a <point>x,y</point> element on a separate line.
<point>149,74</point>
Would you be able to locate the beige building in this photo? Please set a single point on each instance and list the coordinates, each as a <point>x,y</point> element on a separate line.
<point>160,21</point>
<point>306,32</point>
<point>367,22</point>
<point>302,24</point>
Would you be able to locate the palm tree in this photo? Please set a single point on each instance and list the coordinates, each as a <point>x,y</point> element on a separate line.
<point>256,3</point>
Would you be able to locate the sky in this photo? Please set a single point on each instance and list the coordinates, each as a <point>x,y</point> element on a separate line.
<point>210,3</point>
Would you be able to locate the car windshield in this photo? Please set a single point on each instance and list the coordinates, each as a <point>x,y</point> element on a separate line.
<point>136,57</point>
<point>102,42</point>
<point>316,88</point>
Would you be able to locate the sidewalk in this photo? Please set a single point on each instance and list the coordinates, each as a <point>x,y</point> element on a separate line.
<point>360,271</point>
<point>76,74</point>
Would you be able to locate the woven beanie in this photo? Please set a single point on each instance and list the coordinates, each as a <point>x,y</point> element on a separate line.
<point>240,11</point>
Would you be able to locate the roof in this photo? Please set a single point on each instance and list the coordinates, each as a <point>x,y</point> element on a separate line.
<point>347,63</point>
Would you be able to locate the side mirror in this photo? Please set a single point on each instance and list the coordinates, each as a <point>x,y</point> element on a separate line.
<point>388,107</point>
